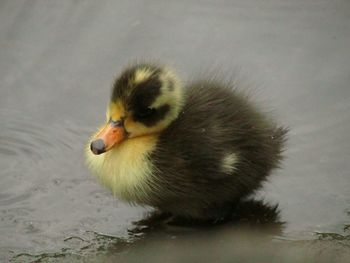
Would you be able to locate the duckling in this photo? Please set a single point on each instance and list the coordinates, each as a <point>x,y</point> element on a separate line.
<point>192,150</point>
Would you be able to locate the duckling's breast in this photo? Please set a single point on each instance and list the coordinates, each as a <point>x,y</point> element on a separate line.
<point>126,169</point>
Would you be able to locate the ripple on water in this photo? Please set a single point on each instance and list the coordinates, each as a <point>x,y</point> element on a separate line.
<point>28,151</point>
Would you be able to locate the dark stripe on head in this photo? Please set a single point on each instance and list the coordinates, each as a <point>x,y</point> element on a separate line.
<point>138,94</point>
<point>151,116</point>
<point>144,94</point>
<point>121,84</point>
<point>125,82</point>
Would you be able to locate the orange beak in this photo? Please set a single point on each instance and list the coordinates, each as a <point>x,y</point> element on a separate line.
<point>110,135</point>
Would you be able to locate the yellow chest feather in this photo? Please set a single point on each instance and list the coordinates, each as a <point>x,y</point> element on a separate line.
<point>126,169</point>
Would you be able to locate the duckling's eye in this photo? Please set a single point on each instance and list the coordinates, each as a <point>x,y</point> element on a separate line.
<point>117,123</point>
<point>145,113</point>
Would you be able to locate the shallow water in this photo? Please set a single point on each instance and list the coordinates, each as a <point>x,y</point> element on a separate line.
<point>57,63</point>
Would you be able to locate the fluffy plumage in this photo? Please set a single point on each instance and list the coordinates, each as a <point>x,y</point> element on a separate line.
<point>193,151</point>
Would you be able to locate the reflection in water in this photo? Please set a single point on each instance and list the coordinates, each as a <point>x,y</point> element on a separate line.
<point>159,236</point>
<point>157,232</point>
<point>251,213</point>
<point>252,234</point>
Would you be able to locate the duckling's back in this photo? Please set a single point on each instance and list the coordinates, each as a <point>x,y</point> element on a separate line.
<point>219,150</point>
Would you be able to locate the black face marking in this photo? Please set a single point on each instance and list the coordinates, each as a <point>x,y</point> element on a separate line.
<point>121,84</point>
<point>139,97</point>
<point>144,94</point>
<point>150,116</point>
<point>144,113</point>
<point>125,83</point>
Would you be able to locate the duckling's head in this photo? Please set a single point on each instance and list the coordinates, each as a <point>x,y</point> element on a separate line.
<point>145,100</point>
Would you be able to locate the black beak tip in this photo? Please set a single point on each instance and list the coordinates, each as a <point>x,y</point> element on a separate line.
<point>98,146</point>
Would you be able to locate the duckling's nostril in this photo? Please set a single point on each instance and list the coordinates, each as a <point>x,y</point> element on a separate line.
<point>98,146</point>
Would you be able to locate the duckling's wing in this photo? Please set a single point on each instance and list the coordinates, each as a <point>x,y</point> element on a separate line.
<point>218,134</point>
